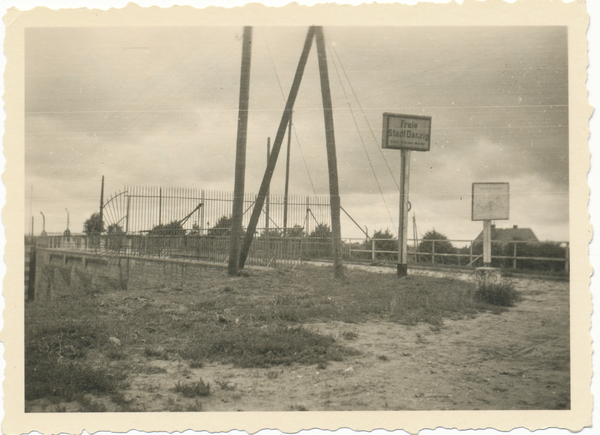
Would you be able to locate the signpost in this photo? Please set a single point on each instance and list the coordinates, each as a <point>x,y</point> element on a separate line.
<point>490,201</point>
<point>405,133</point>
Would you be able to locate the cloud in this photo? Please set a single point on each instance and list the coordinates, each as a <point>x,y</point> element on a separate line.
<point>158,106</point>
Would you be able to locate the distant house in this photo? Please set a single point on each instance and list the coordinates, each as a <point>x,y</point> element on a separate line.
<point>510,234</point>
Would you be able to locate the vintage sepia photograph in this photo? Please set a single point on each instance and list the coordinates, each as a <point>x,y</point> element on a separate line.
<point>249,218</point>
<point>134,141</point>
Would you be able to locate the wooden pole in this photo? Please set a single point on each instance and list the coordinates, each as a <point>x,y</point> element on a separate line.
<point>240,158</point>
<point>287,179</point>
<point>334,193</point>
<point>402,269</point>
<point>285,119</point>
<point>102,203</point>
<point>268,199</point>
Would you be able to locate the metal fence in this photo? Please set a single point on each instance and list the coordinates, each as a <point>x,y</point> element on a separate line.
<point>267,249</point>
<point>142,209</point>
<point>273,249</point>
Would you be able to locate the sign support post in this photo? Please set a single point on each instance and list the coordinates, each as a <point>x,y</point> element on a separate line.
<point>403,220</point>
<point>487,243</point>
<point>490,201</point>
<point>405,133</point>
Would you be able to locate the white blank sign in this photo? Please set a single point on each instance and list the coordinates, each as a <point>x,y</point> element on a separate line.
<point>490,201</point>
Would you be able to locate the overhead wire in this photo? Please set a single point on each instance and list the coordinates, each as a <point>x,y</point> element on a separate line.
<point>363,142</point>
<point>293,126</point>
<point>364,115</point>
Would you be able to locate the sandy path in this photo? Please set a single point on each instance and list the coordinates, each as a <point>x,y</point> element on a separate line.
<point>518,359</point>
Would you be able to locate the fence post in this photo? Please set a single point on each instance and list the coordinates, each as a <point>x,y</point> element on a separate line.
<point>373,249</point>
<point>514,255</point>
<point>433,252</point>
<point>471,253</point>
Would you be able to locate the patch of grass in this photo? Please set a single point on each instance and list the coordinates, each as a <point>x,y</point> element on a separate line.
<point>272,374</point>
<point>68,380</point>
<point>88,405</point>
<point>265,347</point>
<point>383,357</point>
<point>196,364</point>
<point>224,385</point>
<point>193,389</point>
<point>115,354</point>
<point>349,335</point>
<point>58,337</point>
<point>155,352</point>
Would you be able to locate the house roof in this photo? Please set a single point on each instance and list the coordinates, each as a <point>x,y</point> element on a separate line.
<point>510,234</point>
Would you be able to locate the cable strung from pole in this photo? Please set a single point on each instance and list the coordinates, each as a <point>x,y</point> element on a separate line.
<point>293,126</point>
<point>364,116</point>
<point>363,144</point>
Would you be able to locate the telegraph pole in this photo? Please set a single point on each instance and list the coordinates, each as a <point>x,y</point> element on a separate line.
<point>287,113</point>
<point>334,193</point>
<point>102,203</point>
<point>240,157</point>
<point>43,224</point>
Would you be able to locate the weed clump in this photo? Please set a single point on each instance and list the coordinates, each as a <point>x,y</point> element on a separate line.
<point>500,293</point>
<point>193,389</point>
<point>349,335</point>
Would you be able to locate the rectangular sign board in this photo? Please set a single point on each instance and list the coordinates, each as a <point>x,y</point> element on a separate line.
<point>490,201</point>
<point>406,132</point>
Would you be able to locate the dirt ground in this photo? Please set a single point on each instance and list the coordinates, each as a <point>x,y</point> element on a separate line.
<point>518,359</point>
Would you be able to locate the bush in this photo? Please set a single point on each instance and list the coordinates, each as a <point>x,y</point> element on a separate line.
<point>438,243</point>
<point>500,293</point>
<point>384,241</point>
<point>320,242</point>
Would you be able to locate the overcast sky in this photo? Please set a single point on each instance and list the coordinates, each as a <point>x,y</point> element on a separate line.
<point>158,107</point>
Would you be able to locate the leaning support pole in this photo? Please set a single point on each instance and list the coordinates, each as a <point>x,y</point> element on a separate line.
<point>334,192</point>
<point>240,156</point>
<point>285,119</point>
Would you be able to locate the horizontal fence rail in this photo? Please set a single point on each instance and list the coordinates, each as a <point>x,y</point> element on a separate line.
<point>274,249</point>
<point>516,254</point>
<point>266,250</point>
<point>195,224</point>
